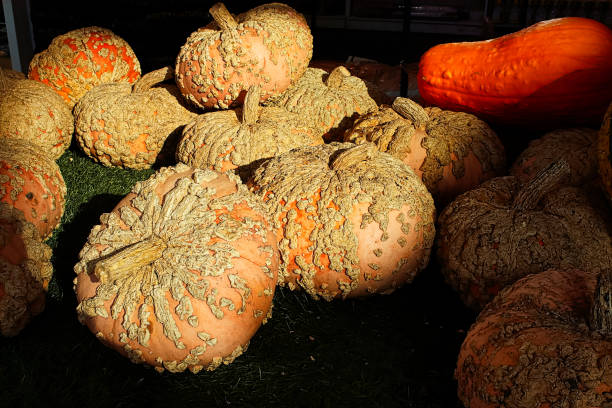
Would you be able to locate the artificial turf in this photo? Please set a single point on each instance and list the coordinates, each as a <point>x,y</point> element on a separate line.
<point>395,350</point>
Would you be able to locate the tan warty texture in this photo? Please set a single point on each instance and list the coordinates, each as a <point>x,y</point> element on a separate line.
<point>351,221</point>
<point>182,273</point>
<point>25,271</point>
<point>604,153</point>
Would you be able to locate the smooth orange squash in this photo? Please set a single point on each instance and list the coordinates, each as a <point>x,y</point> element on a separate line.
<point>554,73</point>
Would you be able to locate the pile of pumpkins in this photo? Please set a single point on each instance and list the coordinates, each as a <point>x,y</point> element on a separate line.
<point>271,173</point>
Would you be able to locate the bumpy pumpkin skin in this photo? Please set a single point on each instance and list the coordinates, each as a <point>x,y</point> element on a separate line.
<point>25,271</point>
<point>78,60</point>
<point>331,101</point>
<point>487,242</point>
<point>197,301</point>
<point>242,138</point>
<point>269,46</point>
<point>553,74</point>
<point>452,152</point>
<point>120,125</point>
<point>32,111</point>
<point>344,227</point>
<point>577,146</point>
<point>604,153</point>
<point>532,347</point>
<point>32,182</point>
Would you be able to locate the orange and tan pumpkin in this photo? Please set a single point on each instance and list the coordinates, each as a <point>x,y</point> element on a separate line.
<point>604,153</point>
<point>269,45</point>
<point>577,146</point>
<point>181,274</point>
<point>351,221</point>
<point>241,138</point>
<point>502,230</point>
<point>32,111</point>
<point>132,126</point>
<point>545,341</point>
<point>451,151</point>
<point>25,271</point>
<point>76,61</point>
<point>331,101</point>
<point>31,181</point>
<point>553,74</point>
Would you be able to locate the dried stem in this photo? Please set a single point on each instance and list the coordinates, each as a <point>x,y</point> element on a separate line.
<point>544,182</point>
<point>334,79</point>
<point>153,78</point>
<point>223,17</point>
<point>250,108</point>
<point>601,310</point>
<point>409,109</point>
<point>129,259</point>
<point>352,156</point>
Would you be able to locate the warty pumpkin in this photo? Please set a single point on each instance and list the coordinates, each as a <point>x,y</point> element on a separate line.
<point>80,59</point>
<point>502,230</point>
<point>545,341</point>
<point>553,74</point>
<point>452,152</point>
<point>242,138</point>
<point>132,126</point>
<point>25,271</point>
<point>181,274</point>
<point>577,146</point>
<point>351,221</point>
<point>269,45</point>
<point>331,101</point>
<point>32,111</point>
<point>31,181</point>
<point>604,153</point>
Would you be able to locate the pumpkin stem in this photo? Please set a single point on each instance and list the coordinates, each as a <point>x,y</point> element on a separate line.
<point>352,156</point>
<point>411,110</point>
<point>250,107</point>
<point>223,17</point>
<point>129,259</point>
<point>544,182</point>
<point>334,79</point>
<point>153,78</point>
<point>601,310</point>
<point>3,81</point>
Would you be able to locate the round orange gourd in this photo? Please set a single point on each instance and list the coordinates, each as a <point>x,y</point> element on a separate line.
<point>31,181</point>
<point>351,221</point>
<point>125,125</point>
<point>577,146</point>
<point>32,111</point>
<point>269,45</point>
<point>241,138</point>
<point>80,59</point>
<point>553,74</point>
<point>452,152</point>
<point>331,101</point>
<point>502,230</point>
<point>545,341</point>
<point>181,274</point>
<point>25,271</point>
<point>604,153</point>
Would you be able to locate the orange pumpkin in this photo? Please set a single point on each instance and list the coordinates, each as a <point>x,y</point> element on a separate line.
<point>452,152</point>
<point>78,60</point>
<point>25,271</point>
<point>270,46</point>
<point>31,181</point>
<point>351,221</point>
<point>132,126</point>
<point>32,111</point>
<point>553,74</point>
<point>545,341</point>
<point>181,274</point>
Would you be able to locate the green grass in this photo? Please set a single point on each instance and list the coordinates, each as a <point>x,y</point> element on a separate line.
<point>385,351</point>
